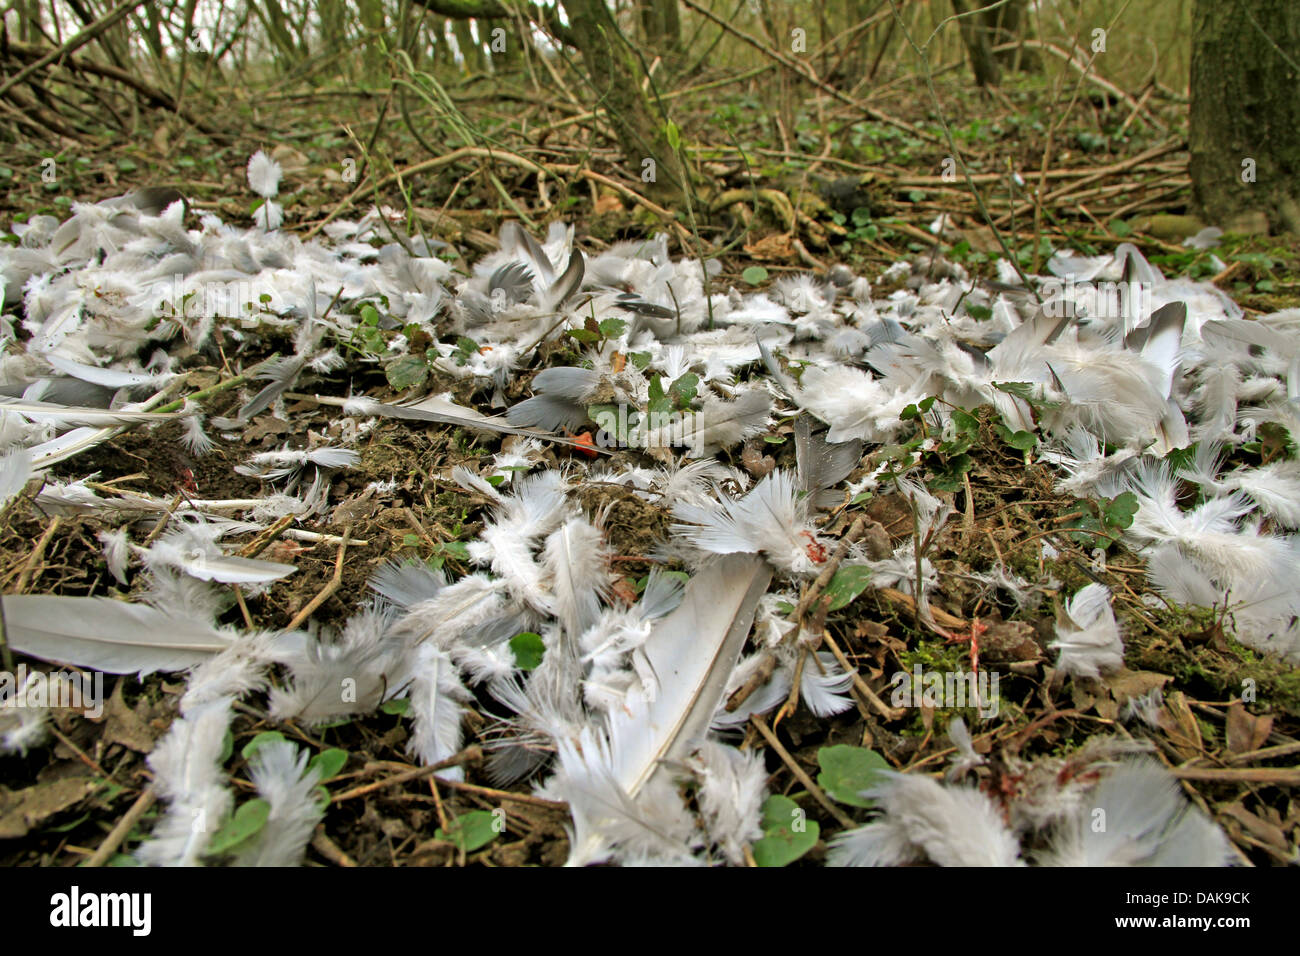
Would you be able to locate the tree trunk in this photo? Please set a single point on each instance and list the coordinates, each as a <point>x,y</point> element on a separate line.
<point>1245,116</point>
<point>976,37</point>
<point>616,72</point>
<point>662,25</point>
<point>1008,24</point>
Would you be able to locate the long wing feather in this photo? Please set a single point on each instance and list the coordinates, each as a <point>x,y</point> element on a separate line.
<point>107,635</point>
<point>443,412</point>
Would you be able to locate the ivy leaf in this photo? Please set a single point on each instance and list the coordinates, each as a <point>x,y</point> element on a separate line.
<point>846,584</point>
<point>683,389</point>
<point>1019,440</point>
<point>470,831</point>
<point>408,371</point>
<point>787,833</point>
<point>246,822</point>
<point>1119,511</point>
<point>658,401</point>
<point>846,771</point>
<point>965,423</point>
<point>397,706</point>
<point>612,328</point>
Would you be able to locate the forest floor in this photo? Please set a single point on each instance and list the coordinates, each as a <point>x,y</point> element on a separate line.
<point>808,194</point>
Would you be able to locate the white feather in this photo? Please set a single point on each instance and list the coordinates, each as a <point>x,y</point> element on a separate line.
<point>279,769</point>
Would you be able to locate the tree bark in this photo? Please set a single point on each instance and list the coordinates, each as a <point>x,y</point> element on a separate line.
<point>976,37</point>
<point>1245,115</point>
<point>616,72</point>
<point>662,25</point>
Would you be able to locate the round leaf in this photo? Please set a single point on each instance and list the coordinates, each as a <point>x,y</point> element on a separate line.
<point>787,833</point>
<point>754,275</point>
<point>266,737</point>
<point>847,771</point>
<point>329,763</point>
<point>528,650</point>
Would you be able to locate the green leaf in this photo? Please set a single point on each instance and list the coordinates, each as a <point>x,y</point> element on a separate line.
<point>1019,440</point>
<point>584,336</point>
<point>774,439</point>
<point>329,763</point>
<point>1026,391</point>
<point>861,216</point>
<point>754,275</point>
<point>673,135</point>
<point>965,422</point>
<point>528,649</point>
<point>683,389</point>
<point>861,497</point>
<point>410,540</point>
<point>266,737</point>
<point>1121,510</point>
<point>787,833</point>
<point>1120,228</point>
<point>408,371</point>
<point>980,313</point>
<point>246,822</point>
<point>613,328</point>
<point>658,402</point>
<point>640,359</point>
<point>457,550</point>
<point>369,315</point>
<point>846,584</point>
<point>471,831</point>
<point>846,771</point>
<point>397,706</point>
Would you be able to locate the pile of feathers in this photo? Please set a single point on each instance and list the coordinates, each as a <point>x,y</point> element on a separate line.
<point>627,703</point>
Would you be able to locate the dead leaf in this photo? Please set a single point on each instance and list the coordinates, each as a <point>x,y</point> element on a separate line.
<point>1180,726</point>
<point>21,810</point>
<point>778,247</point>
<point>1259,828</point>
<point>608,202</point>
<point>128,727</point>
<point>1124,684</point>
<point>1006,642</point>
<point>1246,732</point>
